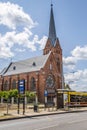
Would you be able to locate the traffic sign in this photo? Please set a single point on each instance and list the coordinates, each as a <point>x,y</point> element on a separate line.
<point>45,93</point>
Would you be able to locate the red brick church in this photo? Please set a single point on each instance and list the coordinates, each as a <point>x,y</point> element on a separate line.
<point>40,73</point>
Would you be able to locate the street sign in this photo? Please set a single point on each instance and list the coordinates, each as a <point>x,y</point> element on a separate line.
<point>45,93</point>
<point>21,90</point>
<point>21,86</point>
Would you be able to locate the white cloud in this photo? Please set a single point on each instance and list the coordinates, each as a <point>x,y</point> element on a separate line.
<point>42,42</point>
<point>12,15</point>
<point>80,52</point>
<point>77,80</point>
<point>5,52</point>
<point>20,50</point>
<point>0,70</point>
<point>23,39</point>
<point>69,62</point>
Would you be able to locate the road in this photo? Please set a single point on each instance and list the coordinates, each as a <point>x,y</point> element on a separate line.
<point>69,121</point>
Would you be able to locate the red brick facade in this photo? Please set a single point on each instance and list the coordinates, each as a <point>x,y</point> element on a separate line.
<point>52,67</point>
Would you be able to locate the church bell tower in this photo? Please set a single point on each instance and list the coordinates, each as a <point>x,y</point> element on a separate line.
<point>52,43</point>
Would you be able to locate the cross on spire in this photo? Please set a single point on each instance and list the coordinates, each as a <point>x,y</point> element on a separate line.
<point>51,3</point>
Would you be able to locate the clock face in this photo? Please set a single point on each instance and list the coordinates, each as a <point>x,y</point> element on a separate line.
<point>50,81</point>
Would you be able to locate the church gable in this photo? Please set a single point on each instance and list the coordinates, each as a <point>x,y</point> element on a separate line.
<point>48,44</point>
<point>51,65</point>
<point>57,44</point>
<point>48,47</point>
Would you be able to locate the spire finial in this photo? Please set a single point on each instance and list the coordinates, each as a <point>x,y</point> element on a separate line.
<point>51,3</point>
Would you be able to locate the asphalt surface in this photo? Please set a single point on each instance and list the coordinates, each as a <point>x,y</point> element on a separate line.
<point>68,121</point>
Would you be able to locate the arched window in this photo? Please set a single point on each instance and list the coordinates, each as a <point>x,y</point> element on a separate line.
<point>50,66</point>
<point>6,85</point>
<point>58,64</point>
<point>32,84</point>
<point>14,84</point>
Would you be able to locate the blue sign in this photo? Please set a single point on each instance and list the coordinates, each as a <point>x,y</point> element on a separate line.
<point>45,93</point>
<point>21,86</point>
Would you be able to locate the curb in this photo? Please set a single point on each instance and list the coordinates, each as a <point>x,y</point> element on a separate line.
<point>38,115</point>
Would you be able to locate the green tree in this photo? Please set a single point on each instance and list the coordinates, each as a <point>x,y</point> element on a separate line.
<point>30,96</point>
<point>13,93</point>
<point>27,93</point>
<point>1,94</point>
<point>6,96</point>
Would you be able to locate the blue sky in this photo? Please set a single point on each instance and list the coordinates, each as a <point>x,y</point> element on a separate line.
<point>24,26</point>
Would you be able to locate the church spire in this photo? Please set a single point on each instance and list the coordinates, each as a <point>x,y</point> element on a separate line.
<point>52,43</point>
<point>52,30</point>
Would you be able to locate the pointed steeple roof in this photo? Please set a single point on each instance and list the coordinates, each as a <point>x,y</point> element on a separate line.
<point>52,30</point>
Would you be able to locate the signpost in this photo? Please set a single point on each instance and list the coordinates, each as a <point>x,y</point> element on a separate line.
<point>21,91</point>
<point>45,94</point>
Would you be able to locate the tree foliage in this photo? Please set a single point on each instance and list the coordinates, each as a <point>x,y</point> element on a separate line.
<point>14,93</point>
<point>9,94</point>
<point>30,96</point>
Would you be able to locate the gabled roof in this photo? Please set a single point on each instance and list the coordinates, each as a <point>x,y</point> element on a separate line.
<point>28,65</point>
<point>3,71</point>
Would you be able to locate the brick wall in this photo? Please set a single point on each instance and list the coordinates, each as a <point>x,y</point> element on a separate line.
<point>51,67</point>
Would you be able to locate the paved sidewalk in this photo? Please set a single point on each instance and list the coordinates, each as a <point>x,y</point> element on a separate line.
<point>12,114</point>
